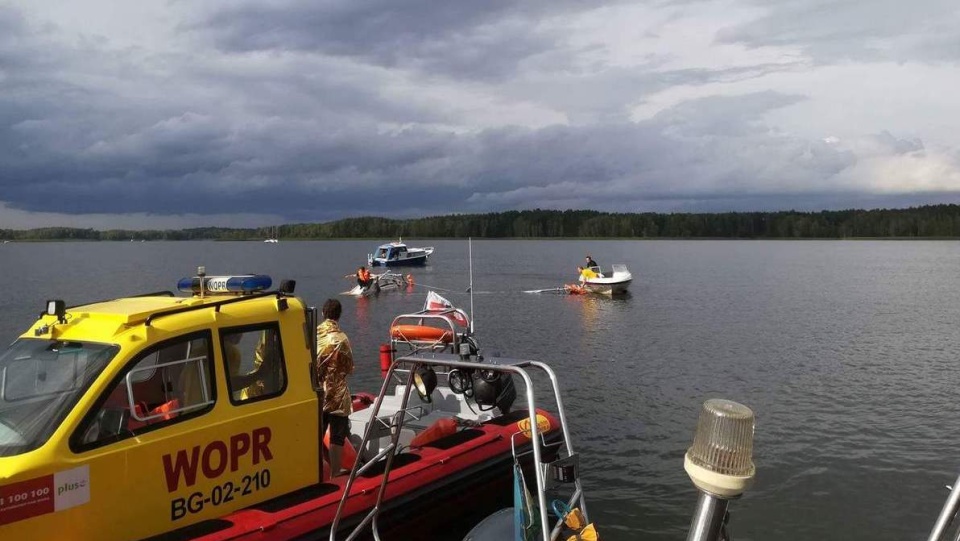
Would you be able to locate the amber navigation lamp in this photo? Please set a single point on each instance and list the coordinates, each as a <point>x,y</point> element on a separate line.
<point>425,381</point>
<point>720,464</point>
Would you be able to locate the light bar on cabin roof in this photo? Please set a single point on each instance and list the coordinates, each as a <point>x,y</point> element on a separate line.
<point>247,283</point>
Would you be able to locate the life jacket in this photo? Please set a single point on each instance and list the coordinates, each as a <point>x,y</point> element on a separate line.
<point>363,274</point>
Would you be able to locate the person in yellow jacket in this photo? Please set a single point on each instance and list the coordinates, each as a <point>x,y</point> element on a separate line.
<point>586,274</point>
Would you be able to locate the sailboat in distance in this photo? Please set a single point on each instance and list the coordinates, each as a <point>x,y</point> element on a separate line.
<point>273,236</point>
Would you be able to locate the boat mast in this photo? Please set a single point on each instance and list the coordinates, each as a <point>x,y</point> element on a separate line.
<point>470,257</point>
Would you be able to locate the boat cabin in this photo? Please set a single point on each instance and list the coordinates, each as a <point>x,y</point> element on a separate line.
<point>392,251</point>
<point>167,402</point>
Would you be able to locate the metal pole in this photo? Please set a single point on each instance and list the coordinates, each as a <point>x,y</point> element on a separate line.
<point>567,440</point>
<point>708,518</point>
<point>537,458</point>
<point>947,514</point>
<point>470,256</point>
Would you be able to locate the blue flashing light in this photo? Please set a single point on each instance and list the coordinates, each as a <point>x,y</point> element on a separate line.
<point>248,283</point>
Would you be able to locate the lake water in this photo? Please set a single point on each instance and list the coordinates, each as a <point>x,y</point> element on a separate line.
<point>846,351</point>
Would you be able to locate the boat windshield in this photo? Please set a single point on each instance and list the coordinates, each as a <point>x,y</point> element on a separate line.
<point>40,382</point>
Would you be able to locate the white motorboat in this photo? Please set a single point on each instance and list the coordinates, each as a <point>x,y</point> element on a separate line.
<point>615,282</point>
<point>397,253</point>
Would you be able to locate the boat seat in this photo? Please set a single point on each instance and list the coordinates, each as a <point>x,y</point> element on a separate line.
<point>447,402</point>
<point>380,435</point>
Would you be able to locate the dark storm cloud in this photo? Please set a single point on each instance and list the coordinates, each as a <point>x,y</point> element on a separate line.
<point>190,164</point>
<point>171,143</point>
<point>705,149</point>
<point>299,115</point>
<point>837,30</point>
<point>487,39</point>
<point>284,152</point>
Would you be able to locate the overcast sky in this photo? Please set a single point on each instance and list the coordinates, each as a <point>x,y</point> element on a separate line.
<point>246,113</point>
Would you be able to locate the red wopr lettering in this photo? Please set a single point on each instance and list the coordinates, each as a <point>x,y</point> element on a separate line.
<point>215,458</point>
<point>239,446</point>
<point>209,470</point>
<point>261,442</point>
<point>183,466</point>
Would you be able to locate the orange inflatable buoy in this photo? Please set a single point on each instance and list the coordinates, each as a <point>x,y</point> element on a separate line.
<point>421,332</point>
<point>349,453</point>
<point>439,429</point>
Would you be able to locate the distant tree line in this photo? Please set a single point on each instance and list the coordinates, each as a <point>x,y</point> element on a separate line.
<point>921,222</point>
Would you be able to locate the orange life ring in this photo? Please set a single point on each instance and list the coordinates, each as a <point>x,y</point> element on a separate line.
<point>421,332</point>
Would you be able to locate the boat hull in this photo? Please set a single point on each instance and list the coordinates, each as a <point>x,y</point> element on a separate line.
<point>447,510</point>
<point>397,254</point>
<point>409,262</point>
<point>607,288</point>
<point>425,498</point>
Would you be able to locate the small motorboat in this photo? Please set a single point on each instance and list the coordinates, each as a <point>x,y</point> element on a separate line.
<point>387,281</point>
<point>397,253</point>
<point>614,283</point>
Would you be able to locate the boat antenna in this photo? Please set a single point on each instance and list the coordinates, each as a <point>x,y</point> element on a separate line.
<point>470,256</point>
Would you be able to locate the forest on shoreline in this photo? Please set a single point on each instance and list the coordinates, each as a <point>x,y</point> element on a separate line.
<point>932,221</point>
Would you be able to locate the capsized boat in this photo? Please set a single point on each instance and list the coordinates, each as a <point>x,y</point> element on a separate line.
<point>386,281</point>
<point>198,417</point>
<point>397,254</point>
<point>615,282</point>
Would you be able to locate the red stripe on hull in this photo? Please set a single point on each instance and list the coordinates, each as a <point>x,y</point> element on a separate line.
<point>435,470</point>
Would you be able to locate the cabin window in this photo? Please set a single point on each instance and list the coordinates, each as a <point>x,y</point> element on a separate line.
<point>159,388</point>
<point>40,383</point>
<point>254,365</point>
